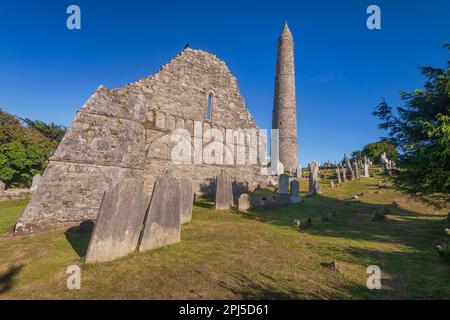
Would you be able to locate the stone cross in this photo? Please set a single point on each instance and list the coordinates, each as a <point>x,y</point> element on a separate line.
<point>295,191</point>
<point>163,224</point>
<point>314,186</point>
<point>244,202</point>
<point>224,191</point>
<point>349,167</point>
<point>35,183</point>
<point>119,222</point>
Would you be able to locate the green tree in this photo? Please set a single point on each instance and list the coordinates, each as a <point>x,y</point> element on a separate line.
<point>421,131</point>
<point>374,150</point>
<point>25,149</point>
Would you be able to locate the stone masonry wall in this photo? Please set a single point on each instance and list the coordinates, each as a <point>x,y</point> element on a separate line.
<point>125,132</point>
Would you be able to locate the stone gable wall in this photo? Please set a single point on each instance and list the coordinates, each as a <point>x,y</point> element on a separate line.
<point>124,132</point>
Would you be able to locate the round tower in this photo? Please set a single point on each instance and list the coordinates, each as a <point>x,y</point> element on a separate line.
<point>284,117</point>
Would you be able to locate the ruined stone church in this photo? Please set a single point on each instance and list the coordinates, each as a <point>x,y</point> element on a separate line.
<point>125,132</point>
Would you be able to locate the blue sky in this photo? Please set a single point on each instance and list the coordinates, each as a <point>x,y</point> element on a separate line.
<point>342,68</point>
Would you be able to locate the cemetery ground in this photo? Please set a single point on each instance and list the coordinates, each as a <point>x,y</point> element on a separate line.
<point>256,255</point>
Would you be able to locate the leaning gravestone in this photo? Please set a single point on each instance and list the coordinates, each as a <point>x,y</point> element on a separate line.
<point>163,223</point>
<point>2,188</point>
<point>295,188</point>
<point>314,186</point>
<point>224,192</point>
<point>244,202</point>
<point>119,222</point>
<point>187,199</point>
<point>35,182</point>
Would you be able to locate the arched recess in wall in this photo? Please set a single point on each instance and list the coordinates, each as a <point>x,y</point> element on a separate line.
<point>210,104</point>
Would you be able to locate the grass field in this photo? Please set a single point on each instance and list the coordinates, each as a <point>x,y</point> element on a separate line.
<point>256,255</point>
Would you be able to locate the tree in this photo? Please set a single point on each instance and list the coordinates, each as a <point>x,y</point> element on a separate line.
<point>51,130</point>
<point>374,150</point>
<point>25,149</point>
<point>421,131</point>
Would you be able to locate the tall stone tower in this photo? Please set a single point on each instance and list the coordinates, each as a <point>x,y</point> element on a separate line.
<point>284,116</point>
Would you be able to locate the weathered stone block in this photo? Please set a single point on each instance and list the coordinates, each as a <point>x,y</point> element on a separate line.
<point>283,184</point>
<point>224,191</point>
<point>314,186</point>
<point>295,189</point>
<point>187,199</point>
<point>119,222</point>
<point>163,223</point>
<point>244,202</point>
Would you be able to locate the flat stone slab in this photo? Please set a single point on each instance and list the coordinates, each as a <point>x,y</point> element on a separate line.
<point>283,184</point>
<point>224,192</point>
<point>295,189</point>
<point>119,222</point>
<point>244,202</point>
<point>163,223</point>
<point>187,199</point>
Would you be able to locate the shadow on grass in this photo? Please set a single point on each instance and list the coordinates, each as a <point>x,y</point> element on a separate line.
<point>417,233</point>
<point>245,288</point>
<point>78,240</point>
<point>7,279</point>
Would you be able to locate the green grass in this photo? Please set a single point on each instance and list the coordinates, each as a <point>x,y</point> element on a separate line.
<point>9,212</point>
<point>226,255</point>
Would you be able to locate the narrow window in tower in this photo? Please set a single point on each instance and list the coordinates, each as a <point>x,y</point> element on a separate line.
<point>209,106</point>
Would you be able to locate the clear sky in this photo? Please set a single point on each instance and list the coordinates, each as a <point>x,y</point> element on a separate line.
<point>342,68</point>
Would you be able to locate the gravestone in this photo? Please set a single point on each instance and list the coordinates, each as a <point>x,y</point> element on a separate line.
<point>295,189</point>
<point>344,174</point>
<point>187,199</point>
<point>2,188</point>
<point>119,222</point>
<point>357,175</point>
<point>384,161</point>
<point>35,182</point>
<point>163,223</point>
<point>332,184</point>
<point>244,202</point>
<point>314,186</point>
<point>349,167</point>
<point>224,192</point>
<point>283,184</point>
<point>366,167</point>
<point>283,196</point>
<point>338,174</point>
